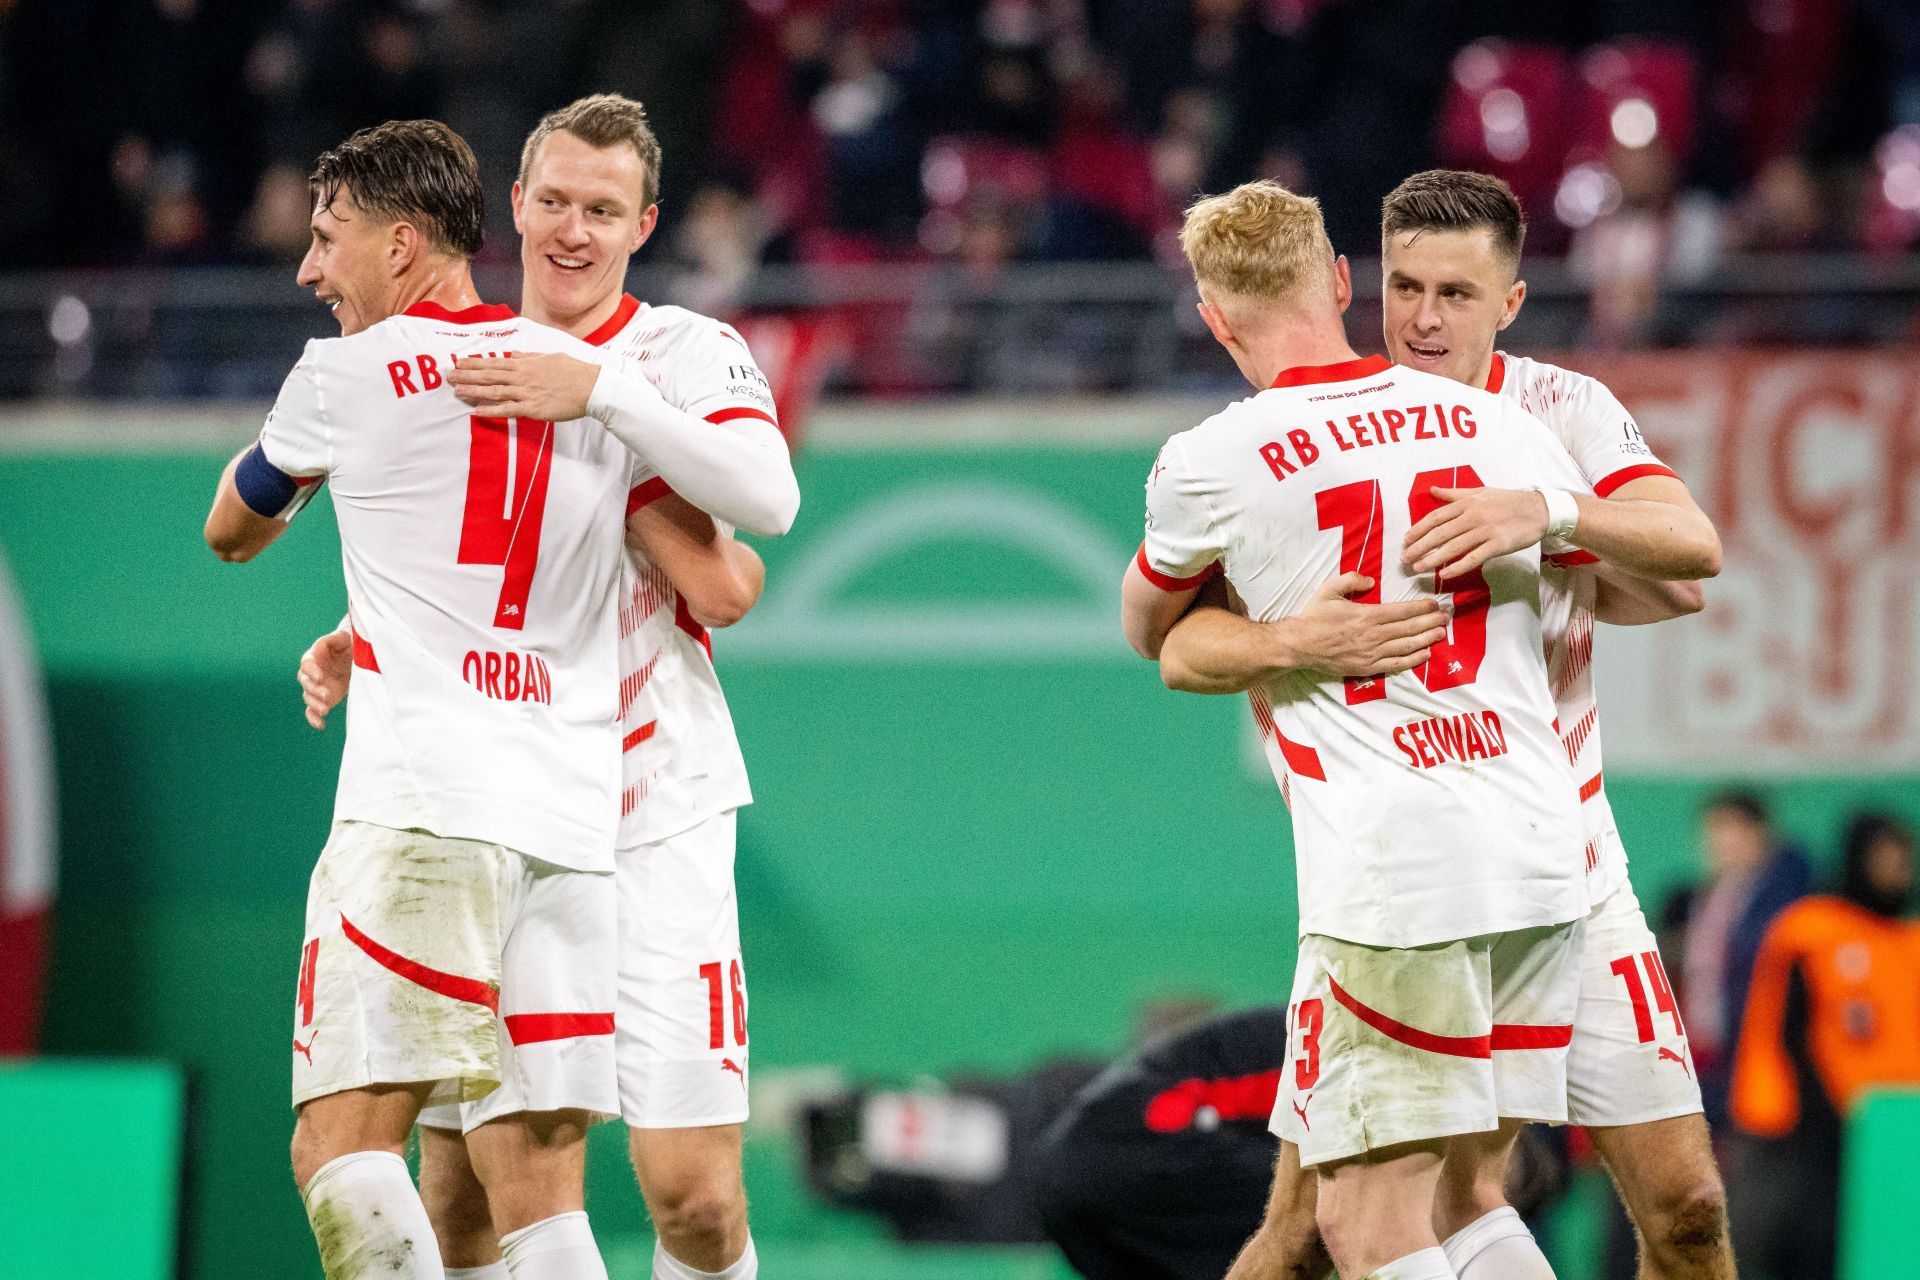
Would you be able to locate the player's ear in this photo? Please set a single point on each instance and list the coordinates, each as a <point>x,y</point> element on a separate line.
<point>648,221</point>
<point>518,202</point>
<point>1216,321</point>
<point>1342,282</point>
<point>403,247</point>
<point>1516,296</point>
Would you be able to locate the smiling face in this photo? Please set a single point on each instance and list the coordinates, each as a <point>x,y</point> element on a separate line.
<point>581,213</point>
<point>1445,295</point>
<point>354,261</point>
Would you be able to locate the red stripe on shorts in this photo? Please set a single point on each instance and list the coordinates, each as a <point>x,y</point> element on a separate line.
<point>452,985</point>
<point>1509,1035</point>
<point>1453,1046</point>
<point>537,1028</point>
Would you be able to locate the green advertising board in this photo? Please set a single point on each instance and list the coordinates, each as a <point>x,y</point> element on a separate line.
<point>983,832</point>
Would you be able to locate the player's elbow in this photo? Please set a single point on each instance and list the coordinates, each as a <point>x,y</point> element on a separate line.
<point>720,607</point>
<point>1686,598</point>
<point>776,512</point>
<point>230,545</point>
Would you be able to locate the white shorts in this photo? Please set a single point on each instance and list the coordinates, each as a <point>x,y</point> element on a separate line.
<point>680,1014</point>
<point>1629,1063</point>
<point>681,1043</point>
<point>1388,1046</point>
<point>463,963</point>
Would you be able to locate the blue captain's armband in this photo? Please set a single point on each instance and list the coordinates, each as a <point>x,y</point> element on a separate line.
<point>269,491</point>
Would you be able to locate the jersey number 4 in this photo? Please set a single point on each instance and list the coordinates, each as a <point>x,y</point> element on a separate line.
<point>509,464</point>
<point>1356,511</point>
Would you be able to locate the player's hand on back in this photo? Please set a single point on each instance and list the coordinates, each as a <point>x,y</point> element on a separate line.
<point>1345,638</point>
<point>1472,527</point>
<point>326,669</point>
<point>543,388</point>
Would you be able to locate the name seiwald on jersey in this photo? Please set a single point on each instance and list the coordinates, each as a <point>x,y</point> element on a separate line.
<point>482,558</point>
<point>1427,806</point>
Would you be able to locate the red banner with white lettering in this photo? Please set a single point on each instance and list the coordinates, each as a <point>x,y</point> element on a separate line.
<point>1804,658</point>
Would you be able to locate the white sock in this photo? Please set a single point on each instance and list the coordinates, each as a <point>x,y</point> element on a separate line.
<point>556,1248</point>
<point>1428,1264</point>
<point>368,1220</point>
<point>668,1267</point>
<point>492,1271</point>
<point>1497,1246</point>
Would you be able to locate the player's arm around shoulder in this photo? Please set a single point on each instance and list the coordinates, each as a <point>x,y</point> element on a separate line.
<point>266,484</point>
<point>1639,518</point>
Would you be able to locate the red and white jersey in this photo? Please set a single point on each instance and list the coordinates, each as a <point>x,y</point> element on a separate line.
<point>1605,441</point>
<point>681,762</point>
<point>482,558</point>
<point>1428,806</point>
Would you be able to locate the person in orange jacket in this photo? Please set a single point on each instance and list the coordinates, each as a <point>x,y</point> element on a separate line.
<point>1833,1010</point>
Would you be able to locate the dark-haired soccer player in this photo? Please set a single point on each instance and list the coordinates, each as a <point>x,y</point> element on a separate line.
<point>471,856</point>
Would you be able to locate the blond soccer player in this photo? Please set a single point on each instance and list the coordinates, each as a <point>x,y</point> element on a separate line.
<point>584,203</point>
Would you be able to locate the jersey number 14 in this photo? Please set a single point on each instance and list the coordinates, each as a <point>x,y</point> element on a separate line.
<point>509,464</point>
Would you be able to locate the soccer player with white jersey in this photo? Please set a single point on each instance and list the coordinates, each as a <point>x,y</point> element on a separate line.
<point>471,856</point>
<point>1451,246</point>
<point>585,201</point>
<point>1404,978</point>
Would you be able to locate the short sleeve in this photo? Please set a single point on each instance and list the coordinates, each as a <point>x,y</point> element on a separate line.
<point>714,376</point>
<point>296,439</point>
<point>1605,440</point>
<point>1181,549</point>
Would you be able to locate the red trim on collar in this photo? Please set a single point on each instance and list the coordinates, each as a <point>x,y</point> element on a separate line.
<point>1497,373</point>
<point>1345,371</point>
<point>482,313</point>
<point>615,322</point>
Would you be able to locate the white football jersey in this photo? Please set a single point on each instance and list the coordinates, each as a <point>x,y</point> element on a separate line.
<point>482,557</point>
<point>1427,806</point>
<point>1607,445</point>
<point>681,762</point>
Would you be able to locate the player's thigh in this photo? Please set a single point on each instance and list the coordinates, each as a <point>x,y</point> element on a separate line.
<point>1536,991</point>
<point>1386,1047</point>
<point>556,1025</point>
<point>400,964</point>
<point>1629,1063</point>
<point>682,1006</point>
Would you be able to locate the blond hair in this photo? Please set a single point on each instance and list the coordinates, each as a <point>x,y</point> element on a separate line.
<point>602,120</point>
<point>1259,240</point>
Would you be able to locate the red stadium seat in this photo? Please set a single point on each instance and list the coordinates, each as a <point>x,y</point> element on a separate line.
<point>1505,114</point>
<point>1633,92</point>
<point>958,167</point>
<point>1892,221</point>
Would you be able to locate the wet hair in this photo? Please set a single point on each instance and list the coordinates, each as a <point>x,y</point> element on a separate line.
<point>1259,240</point>
<point>602,120</point>
<point>1456,200</point>
<point>415,171</point>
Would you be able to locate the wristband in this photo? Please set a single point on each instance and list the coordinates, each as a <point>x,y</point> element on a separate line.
<point>1563,513</point>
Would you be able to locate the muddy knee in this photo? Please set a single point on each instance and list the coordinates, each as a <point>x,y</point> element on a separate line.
<point>1696,1226</point>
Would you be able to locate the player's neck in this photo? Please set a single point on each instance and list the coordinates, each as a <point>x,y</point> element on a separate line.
<point>1272,353</point>
<point>1485,372</point>
<point>445,282</point>
<point>579,324</point>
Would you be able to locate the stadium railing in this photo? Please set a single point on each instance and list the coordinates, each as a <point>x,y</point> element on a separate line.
<point>882,329</point>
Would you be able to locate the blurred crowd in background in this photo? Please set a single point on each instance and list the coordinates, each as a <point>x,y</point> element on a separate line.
<point>986,131</point>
